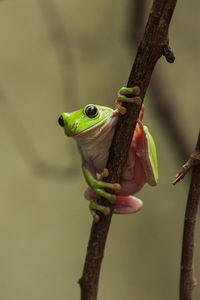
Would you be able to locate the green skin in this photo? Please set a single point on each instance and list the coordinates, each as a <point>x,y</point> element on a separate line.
<point>93,128</point>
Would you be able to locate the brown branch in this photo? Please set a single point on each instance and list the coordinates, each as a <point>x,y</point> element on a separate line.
<point>163,100</point>
<point>151,48</point>
<point>187,278</point>
<point>193,160</point>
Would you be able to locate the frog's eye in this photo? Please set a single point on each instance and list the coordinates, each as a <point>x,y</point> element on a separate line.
<point>61,121</point>
<point>91,111</point>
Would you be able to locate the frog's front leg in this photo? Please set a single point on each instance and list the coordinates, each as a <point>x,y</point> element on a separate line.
<point>97,185</point>
<point>130,95</point>
<point>96,188</point>
<point>123,204</point>
<point>94,206</point>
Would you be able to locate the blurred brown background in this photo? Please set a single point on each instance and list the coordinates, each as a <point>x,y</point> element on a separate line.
<point>58,56</point>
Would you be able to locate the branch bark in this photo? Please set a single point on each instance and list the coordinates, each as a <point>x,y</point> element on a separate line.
<point>193,160</point>
<point>152,47</point>
<point>187,277</point>
<point>163,101</point>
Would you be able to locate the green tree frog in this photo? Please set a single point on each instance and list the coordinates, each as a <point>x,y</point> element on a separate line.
<point>93,128</point>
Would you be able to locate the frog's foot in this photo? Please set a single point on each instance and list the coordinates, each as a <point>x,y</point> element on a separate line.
<point>93,207</point>
<point>110,197</point>
<point>130,95</point>
<point>127,205</point>
<point>99,186</point>
<point>105,173</point>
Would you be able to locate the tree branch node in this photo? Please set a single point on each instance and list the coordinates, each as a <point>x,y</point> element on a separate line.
<point>168,54</point>
<point>190,219</point>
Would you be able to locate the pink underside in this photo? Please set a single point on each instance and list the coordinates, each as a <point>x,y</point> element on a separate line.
<point>123,204</point>
<point>127,205</point>
<point>134,174</point>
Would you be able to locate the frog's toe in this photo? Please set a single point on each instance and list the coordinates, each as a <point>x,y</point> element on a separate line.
<point>96,218</point>
<point>103,174</point>
<point>126,91</point>
<point>121,109</point>
<point>93,206</point>
<point>110,197</point>
<point>106,210</point>
<point>113,186</point>
<point>116,187</point>
<point>129,95</point>
<point>135,91</point>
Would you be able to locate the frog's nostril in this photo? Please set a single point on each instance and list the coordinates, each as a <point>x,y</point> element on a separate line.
<point>61,121</point>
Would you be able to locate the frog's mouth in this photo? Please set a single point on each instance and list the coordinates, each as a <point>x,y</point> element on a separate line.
<point>90,128</point>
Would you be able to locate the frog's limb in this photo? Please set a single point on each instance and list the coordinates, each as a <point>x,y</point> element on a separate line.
<point>105,173</point>
<point>124,95</point>
<point>130,91</point>
<point>98,186</point>
<point>93,206</point>
<point>123,204</point>
<point>153,162</point>
<point>144,140</point>
<point>127,205</point>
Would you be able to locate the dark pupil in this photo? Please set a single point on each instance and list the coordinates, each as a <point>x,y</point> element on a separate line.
<point>61,121</point>
<point>91,111</point>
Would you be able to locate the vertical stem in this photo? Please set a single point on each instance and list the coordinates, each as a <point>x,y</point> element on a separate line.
<point>151,48</point>
<point>187,277</point>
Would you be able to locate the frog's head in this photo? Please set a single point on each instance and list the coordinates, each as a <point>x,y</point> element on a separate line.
<point>80,121</point>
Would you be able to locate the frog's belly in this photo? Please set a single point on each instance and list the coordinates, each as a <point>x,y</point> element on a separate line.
<point>100,161</point>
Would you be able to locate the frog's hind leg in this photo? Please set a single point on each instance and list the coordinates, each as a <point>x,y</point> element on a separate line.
<point>127,205</point>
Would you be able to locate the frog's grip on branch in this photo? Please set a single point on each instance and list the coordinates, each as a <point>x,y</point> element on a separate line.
<point>128,95</point>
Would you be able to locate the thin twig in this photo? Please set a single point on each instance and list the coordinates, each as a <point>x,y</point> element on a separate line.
<point>187,277</point>
<point>193,160</point>
<point>151,48</point>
